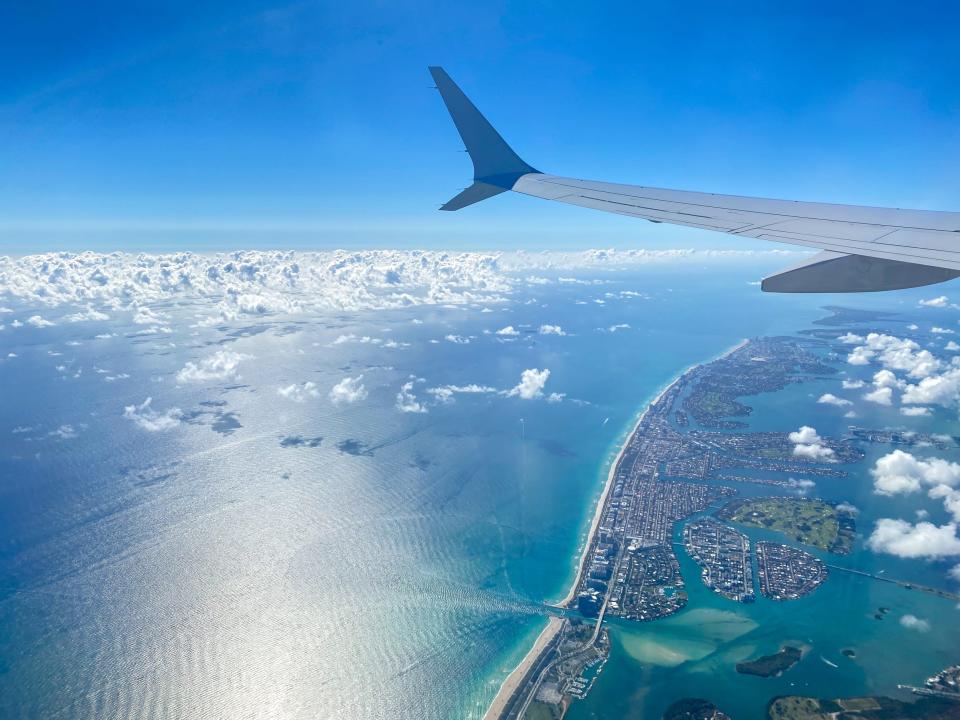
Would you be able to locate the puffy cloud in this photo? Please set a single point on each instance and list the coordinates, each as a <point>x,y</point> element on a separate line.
<point>848,508</point>
<point>531,384</point>
<point>348,390</point>
<point>38,322</point>
<point>809,445</point>
<point>65,432</point>
<point>937,302</point>
<point>367,340</point>
<point>912,622</point>
<point>551,330</point>
<point>222,365</point>
<point>936,330</point>
<point>850,339</point>
<point>457,339</point>
<point>942,389</point>
<point>951,346</point>
<point>146,418</point>
<point>254,283</point>
<point>619,326</point>
<point>831,399</point>
<point>508,331</point>
<point>445,393</point>
<point>923,540</point>
<point>955,572</point>
<point>88,315</point>
<point>895,354</point>
<point>852,384</point>
<point>299,392</point>
<point>880,396</point>
<point>621,259</point>
<point>407,401</point>
<point>900,472</point>
<point>915,411</point>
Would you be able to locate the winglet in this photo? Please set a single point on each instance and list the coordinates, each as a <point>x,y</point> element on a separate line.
<point>496,167</point>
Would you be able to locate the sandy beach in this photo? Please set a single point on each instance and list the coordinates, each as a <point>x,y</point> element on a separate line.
<point>513,680</point>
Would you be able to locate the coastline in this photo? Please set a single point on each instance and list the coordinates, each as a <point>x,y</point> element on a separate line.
<point>554,624</point>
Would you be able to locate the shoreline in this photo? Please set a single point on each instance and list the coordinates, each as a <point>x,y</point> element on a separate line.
<point>513,680</point>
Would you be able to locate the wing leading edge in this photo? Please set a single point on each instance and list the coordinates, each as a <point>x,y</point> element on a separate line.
<point>867,248</point>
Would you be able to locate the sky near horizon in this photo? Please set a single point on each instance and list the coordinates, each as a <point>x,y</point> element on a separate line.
<point>215,125</point>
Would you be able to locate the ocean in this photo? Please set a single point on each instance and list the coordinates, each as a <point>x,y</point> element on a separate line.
<point>263,557</point>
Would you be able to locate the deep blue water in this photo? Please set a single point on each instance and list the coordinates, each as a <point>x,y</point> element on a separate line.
<point>397,567</point>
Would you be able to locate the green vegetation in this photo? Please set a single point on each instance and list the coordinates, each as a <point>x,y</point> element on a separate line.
<point>693,709</point>
<point>771,665</point>
<point>876,707</point>
<point>542,711</point>
<point>808,521</point>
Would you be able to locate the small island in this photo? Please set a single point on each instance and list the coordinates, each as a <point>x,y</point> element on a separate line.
<point>694,709</point>
<point>772,665</point>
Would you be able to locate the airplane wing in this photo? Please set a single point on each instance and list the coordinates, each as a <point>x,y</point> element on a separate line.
<point>863,248</point>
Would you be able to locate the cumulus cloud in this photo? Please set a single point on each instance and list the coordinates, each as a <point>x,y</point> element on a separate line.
<point>457,339</point>
<point>936,330</point>
<point>348,390</point>
<point>880,396</point>
<point>895,353</point>
<point>831,399</point>
<point>852,384</point>
<point>222,365</point>
<point>508,331</point>
<point>368,340</point>
<point>951,346</point>
<point>406,399</point>
<point>901,472</point>
<point>850,339</point>
<point>618,326</point>
<point>551,330</point>
<point>88,315</point>
<point>955,572</point>
<point>65,432</point>
<point>38,321</point>
<point>531,384</point>
<point>915,411</point>
<point>446,393</point>
<point>937,302</point>
<point>809,445</point>
<point>848,508</point>
<point>923,540</point>
<point>941,389</point>
<point>298,392</point>
<point>146,418</point>
<point>912,622</point>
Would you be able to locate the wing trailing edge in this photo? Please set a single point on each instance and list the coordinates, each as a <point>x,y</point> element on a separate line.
<point>831,272</point>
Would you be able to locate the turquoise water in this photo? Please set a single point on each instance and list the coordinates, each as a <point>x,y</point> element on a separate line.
<point>398,569</point>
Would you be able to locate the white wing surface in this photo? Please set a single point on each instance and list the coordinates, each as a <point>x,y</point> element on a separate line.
<point>866,248</point>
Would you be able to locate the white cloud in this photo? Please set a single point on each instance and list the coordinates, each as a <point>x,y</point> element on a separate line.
<point>457,339</point>
<point>508,331</point>
<point>941,389</point>
<point>445,393</point>
<point>619,326</point>
<point>367,340</point>
<point>65,432</point>
<point>951,346</point>
<point>407,401</point>
<point>880,396</point>
<point>895,354</point>
<point>848,508</point>
<point>937,302</point>
<point>936,330</point>
<point>809,445</point>
<point>38,322</point>
<point>912,622</point>
<point>955,572</point>
<point>900,472</point>
<point>551,330</point>
<point>852,384</point>
<point>531,384</point>
<point>348,390</point>
<point>88,315</point>
<point>850,339</point>
<point>222,365</point>
<point>298,392</point>
<point>831,399</point>
<point>923,540</point>
<point>915,411</point>
<point>146,418</point>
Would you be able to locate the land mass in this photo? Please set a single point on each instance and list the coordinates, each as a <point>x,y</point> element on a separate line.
<point>808,521</point>
<point>771,665</point>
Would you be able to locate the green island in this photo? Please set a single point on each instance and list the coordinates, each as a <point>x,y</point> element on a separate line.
<point>809,521</point>
<point>694,709</point>
<point>874,707</point>
<point>771,665</point>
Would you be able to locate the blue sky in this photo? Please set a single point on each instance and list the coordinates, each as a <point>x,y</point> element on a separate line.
<point>219,125</point>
